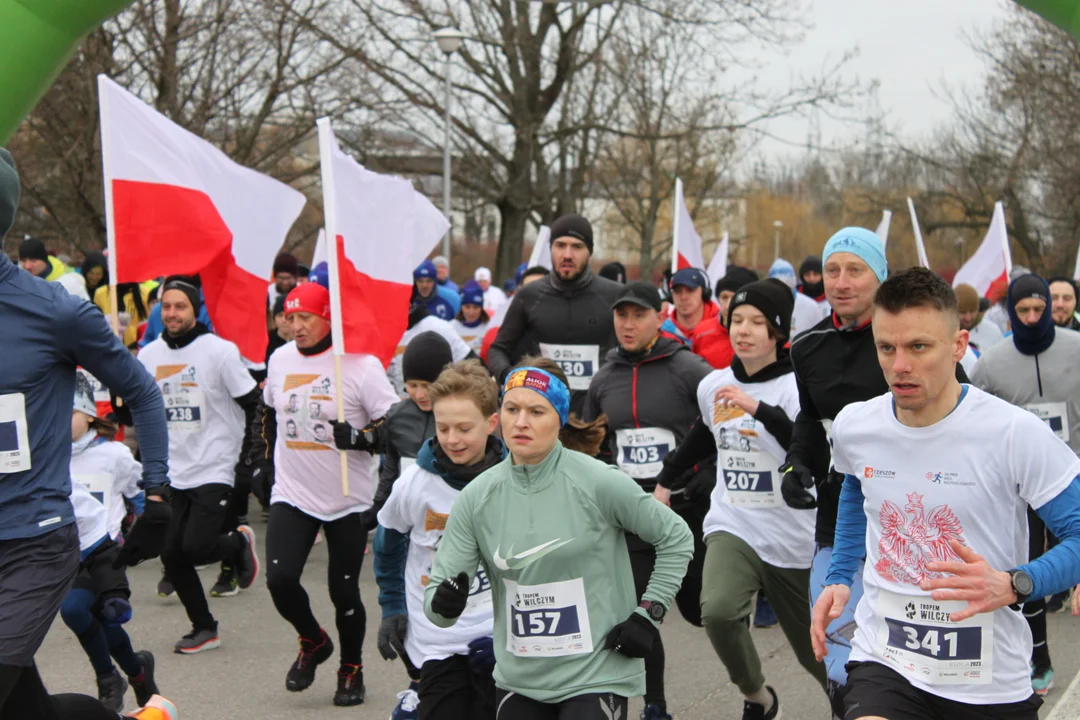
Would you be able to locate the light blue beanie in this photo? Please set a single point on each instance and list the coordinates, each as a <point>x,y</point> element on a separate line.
<point>864,244</point>
<point>784,271</point>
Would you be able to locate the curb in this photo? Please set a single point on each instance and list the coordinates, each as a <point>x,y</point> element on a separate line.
<point>1068,707</point>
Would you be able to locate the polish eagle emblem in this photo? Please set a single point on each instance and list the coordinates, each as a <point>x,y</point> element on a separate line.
<point>912,537</point>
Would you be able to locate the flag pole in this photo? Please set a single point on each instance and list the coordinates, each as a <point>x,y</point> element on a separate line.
<point>106,171</point>
<point>999,207</point>
<point>675,226</point>
<point>326,155</point>
<point>920,247</point>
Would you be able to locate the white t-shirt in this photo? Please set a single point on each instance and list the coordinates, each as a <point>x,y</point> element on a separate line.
<point>458,349</point>
<point>419,507</point>
<point>473,336</point>
<point>985,335</point>
<point>924,486</point>
<point>302,392</point>
<point>746,501</point>
<point>807,314</point>
<point>199,384</point>
<point>494,298</point>
<point>90,516</point>
<point>109,473</point>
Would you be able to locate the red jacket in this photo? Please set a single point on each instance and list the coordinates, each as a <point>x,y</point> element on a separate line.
<point>709,338</point>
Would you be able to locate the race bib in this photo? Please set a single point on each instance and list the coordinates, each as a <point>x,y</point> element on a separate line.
<point>1055,415</point>
<point>549,620</point>
<point>100,486</point>
<point>184,410</point>
<point>578,362</point>
<point>917,639</point>
<point>751,479</point>
<point>14,437</point>
<point>641,451</point>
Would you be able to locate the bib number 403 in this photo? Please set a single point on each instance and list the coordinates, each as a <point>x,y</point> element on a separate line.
<point>642,455</point>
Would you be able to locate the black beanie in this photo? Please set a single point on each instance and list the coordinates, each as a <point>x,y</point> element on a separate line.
<point>188,286</point>
<point>33,249</point>
<point>286,263</point>
<point>425,357</point>
<point>614,271</point>
<point>735,278</point>
<point>772,297</point>
<point>9,192</point>
<point>573,226</point>
<point>812,263</point>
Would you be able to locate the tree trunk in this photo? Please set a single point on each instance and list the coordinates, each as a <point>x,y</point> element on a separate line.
<point>511,238</point>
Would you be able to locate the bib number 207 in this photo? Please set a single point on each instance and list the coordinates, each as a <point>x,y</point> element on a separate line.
<point>750,481</point>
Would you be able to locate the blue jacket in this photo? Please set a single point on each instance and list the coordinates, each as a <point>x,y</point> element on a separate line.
<point>453,286</point>
<point>438,306</point>
<point>451,296</point>
<point>47,333</point>
<point>154,325</point>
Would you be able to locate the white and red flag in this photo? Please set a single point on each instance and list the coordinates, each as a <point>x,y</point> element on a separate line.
<point>380,228</point>
<point>686,250</point>
<point>992,262</point>
<point>718,265</point>
<point>177,205</point>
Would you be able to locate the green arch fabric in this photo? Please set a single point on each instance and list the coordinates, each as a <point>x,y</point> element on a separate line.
<point>1063,13</point>
<point>36,39</point>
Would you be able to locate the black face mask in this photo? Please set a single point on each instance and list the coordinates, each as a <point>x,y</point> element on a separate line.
<point>1033,339</point>
<point>814,290</point>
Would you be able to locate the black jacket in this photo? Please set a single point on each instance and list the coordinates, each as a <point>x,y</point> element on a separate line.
<point>657,390</point>
<point>550,311</point>
<point>409,428</point>
<point>834,367</point>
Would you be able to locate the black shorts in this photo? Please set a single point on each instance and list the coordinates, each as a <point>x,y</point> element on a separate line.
<point>874,690</point>
<point>97,574</point>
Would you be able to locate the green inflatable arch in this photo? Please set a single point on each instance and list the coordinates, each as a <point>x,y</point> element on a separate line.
<point>38,36</point>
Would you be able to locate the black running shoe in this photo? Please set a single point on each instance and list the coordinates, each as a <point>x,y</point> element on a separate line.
<point>755,711</point>
<point>227,583</point>
<point>144,685</point>
<point>111,689</point>
<point>312,654</point>
<point>350,685</point>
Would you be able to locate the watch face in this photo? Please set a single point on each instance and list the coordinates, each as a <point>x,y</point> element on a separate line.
<point>1023,583</point>
<point>656,611</point>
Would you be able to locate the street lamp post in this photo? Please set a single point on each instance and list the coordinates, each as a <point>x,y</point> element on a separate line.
<point>776,238</point>
<point>449,40</point>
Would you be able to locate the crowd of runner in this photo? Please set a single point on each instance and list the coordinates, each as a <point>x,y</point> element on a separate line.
<point>544,470</point>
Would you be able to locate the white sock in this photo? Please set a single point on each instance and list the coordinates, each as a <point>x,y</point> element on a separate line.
<point>762,697</point>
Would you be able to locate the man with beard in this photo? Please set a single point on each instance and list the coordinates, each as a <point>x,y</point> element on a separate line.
<point>1063,299</point>
<point>565,315</point>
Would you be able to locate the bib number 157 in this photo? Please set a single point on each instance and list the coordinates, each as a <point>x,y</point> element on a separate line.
<point>544,623</point>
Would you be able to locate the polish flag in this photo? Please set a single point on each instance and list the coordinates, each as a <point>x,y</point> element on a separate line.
<point>541,252</point>
<point>920,246</point>
<point>883,226</point>
<point>383,228</point>
<point>992,262</point>
<point>176,205</point>
<point>686,251</point>
<point>718,266</point>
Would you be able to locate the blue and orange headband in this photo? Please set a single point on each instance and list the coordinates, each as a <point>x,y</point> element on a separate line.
<point>540,381</point>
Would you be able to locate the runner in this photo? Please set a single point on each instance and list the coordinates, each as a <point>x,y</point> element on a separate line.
<point>1035,371</point>
<point>307,490</point>
<point>1063,296</point>
<point>982,334</point>
<point>421,321</point>
<point>808,312</point>
<point>940,515</point>
<point>695,318</point>
<point>565,317</point>
<point>494,298</point>
<point>549,527</point>
<point>755,543</point>
<point>409,424</point>
<point>648,391</point>
<point>528,276</point>
<point>811,282</point>
<point>103,473</point>
<point>472,320</point>
<point>35,259</point>
<point>208,396</point>
<point>426,292</point>
<point>49,333</point>
<point>614,271</point>
<point>155,327</point>
<point>286,277</point>
<point>442,270</point>
<point>456,663</point>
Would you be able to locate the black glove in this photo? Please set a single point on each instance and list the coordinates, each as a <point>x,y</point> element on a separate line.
<point>392,631</point>
<point>701,484</point>
<point>451,596</point>
<point>346,437</point>
<point>147,536</point>
<point>634,637</point>
<point>482,653</point>
<point>262,482</point>
<point>795,487</point>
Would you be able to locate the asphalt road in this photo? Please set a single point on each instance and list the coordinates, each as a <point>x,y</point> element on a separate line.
<point>245,677</point>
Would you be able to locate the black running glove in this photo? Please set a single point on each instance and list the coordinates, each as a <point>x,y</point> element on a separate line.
<point>346,437</point>
<point>262,482</point>
<point>451,596</point>
<point>147,536</point>
<point>392,631</point>
<point>634,637</point>
<point>796,485</point>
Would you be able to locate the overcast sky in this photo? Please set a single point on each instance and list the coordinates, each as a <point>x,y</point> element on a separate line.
<point>909,46</point>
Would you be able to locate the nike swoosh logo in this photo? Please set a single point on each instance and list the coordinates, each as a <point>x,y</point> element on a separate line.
<point>526,557</point>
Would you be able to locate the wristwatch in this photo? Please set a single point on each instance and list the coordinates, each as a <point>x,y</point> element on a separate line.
<point>1022,585</point>
<point>654,610</point>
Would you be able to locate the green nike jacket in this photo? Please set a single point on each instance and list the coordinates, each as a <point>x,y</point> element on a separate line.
<point>552,540</point>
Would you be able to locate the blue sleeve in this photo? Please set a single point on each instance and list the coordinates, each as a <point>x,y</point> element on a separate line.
<point>204,316</point>
<point>849,543</point>
<point>88,341</point>
<point>138,502</point>
<point>1059,568</point>
<point>391,552</point>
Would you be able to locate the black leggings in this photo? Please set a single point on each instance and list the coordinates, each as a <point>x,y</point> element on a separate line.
<point>642,560</point>
<point>1035,609</point>
<point>23,696</point>
<point>450,689</point>
<point>290,536</point>
<point>594,706</point>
